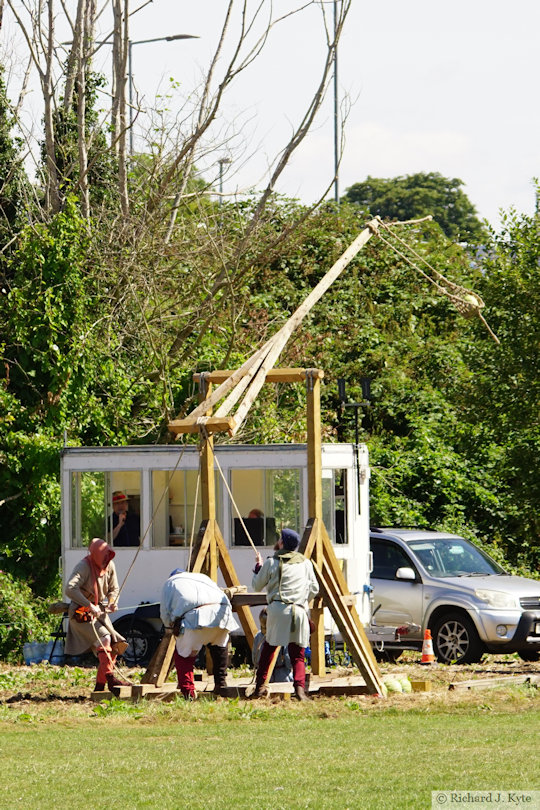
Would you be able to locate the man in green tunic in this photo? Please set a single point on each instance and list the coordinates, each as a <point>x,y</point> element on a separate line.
<point>290,584</point>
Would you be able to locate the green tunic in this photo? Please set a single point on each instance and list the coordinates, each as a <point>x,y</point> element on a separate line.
<point>290,583</point>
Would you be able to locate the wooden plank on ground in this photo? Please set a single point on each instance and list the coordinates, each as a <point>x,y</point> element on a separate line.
<point>122,692</point>
<point>338,690</point>
<point>487,683</point>
<point>150,692</point>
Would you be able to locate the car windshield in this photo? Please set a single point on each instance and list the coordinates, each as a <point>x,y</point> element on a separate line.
<point>453,557</point>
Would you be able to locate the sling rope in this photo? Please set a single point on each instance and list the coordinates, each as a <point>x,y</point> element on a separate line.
<point>252,544</point>
<point>154,513</point>
<point>206,436</point>
<point>194,516</point>
<point>466,301</point>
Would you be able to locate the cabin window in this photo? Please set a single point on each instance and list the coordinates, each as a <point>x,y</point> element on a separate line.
<point>99,501</point>
<point>176,506</point>
<point>268,500</point>
<point>334,495</point>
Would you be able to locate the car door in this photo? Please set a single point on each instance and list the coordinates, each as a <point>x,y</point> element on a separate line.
<point>395,601</point>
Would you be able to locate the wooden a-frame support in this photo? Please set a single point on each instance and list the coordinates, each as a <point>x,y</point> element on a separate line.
<point>210,553</point>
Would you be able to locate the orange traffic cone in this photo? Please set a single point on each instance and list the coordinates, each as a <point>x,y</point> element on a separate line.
<point>428,656</point>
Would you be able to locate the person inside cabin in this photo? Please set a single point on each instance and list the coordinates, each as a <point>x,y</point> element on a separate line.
<point>282,672</point>
<point>290,582</point>
<point>199,613</point>
<point>251,528</point>
<point>93,591</point>
<point>125,525</point>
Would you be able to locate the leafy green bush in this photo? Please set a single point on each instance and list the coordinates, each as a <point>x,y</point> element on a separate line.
<point>23,618</point>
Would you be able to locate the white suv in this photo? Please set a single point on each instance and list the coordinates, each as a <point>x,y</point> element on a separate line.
<point>445,583</point>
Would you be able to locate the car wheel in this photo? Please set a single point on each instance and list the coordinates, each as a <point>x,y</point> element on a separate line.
<point>142,641</point>
<point>529,655</point>
<point>455,640</point>
<point>387,656</point>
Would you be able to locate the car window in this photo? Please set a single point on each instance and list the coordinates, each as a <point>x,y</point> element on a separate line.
<point>429,556</point>
<point>387,558</point>
<point>453,557</point>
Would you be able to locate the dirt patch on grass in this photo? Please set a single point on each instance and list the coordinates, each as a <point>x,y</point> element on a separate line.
<point>497,683</point>
<point>443,675</point>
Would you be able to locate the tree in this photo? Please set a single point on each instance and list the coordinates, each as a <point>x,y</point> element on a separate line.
<point>501,400</point>
<point>417,195</point>
<point>92,175</point>
<point>196,130</point>
<point>15,197</point>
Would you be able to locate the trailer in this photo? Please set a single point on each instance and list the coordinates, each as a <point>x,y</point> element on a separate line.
<point>161,484</point>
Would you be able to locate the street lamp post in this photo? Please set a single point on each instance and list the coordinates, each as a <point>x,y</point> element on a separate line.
<point>365,383</point>
<point>130,72</point>
<point>222,162</point>
<point>336,112</point>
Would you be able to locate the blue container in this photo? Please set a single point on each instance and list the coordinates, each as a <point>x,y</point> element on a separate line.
<point>34,652</point>
<point>58,656</point>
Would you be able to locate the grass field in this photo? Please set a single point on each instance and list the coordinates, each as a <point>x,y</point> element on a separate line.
<point>61,751</point>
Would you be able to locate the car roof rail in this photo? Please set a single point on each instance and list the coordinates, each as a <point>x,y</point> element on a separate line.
<point>390,529</point>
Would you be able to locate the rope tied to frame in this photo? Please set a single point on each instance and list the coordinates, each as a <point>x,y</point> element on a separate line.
<point>154,513</point>
<point>205,434</point>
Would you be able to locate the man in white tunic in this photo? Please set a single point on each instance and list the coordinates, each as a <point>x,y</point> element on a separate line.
<point>290,584</point>
<point>199,613</point>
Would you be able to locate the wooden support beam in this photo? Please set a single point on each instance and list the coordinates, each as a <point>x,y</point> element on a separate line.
<point>337,597</point>
<point>314,447</point>
<point>231,579</point>
<point>309,538</point>
<point>200,548</point>
<point>274,375</point>
<point>160,664</point>
<point>342,617</point>
<point>315,508</point>
<point>336,576</point>
<point>213,424</point>
<point>248,599</point>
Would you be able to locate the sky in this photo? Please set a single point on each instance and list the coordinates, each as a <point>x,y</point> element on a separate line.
<point>432,87</point>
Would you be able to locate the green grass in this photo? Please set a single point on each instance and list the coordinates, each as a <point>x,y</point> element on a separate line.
<point>333,753</point>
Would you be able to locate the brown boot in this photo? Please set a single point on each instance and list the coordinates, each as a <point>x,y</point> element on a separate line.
<point>112,681</point>
<point>220,657</point>
<point>261,691</point>
<point>300,693</point>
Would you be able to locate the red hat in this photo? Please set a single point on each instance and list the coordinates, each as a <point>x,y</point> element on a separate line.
<point>118,496</point>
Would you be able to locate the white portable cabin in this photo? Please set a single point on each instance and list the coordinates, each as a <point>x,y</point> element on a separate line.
<point>162,487</point>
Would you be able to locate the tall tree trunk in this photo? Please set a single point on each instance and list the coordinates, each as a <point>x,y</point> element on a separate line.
<point>52,184</point>
<point>81,114</point>
<point>75,55</point>
<point>119,127</point>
